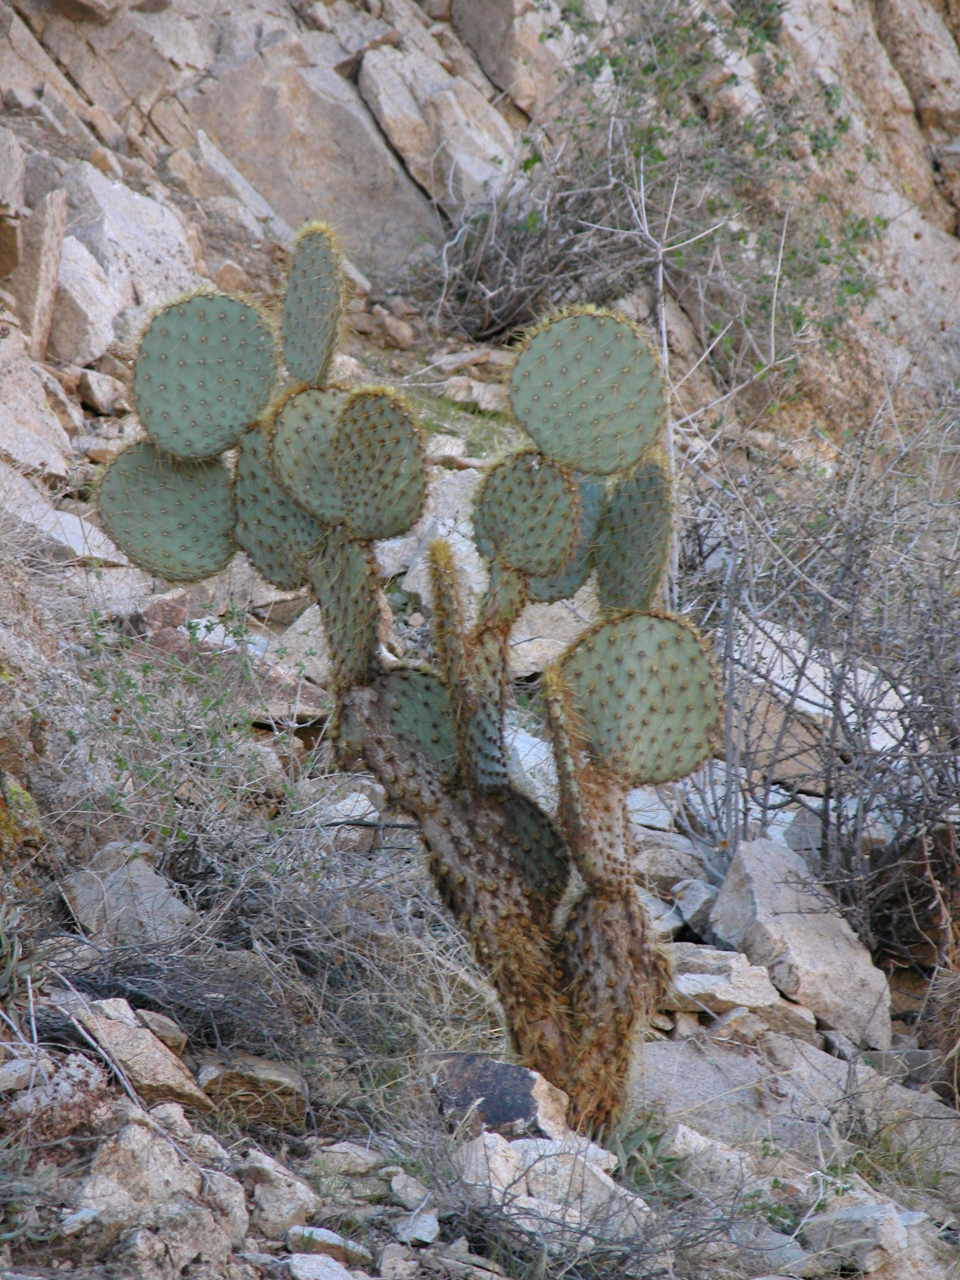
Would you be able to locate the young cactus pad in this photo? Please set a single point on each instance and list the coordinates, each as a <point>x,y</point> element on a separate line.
<point>527,513</point>
<point>302,443</point>
<point>633,538</point>
<point>379,465</point>
<point>644,696</point>
<point>277,536</point>
<point>205,371</point>
<point>311,305</point>
<point>565,584</point>
<point>174,519</point>
<point>587,388</point>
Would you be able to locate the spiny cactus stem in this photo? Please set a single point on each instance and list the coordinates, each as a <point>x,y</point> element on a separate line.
<point>466,839</point>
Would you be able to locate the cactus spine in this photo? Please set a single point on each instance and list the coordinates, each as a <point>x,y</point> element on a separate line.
<point>326,472</point>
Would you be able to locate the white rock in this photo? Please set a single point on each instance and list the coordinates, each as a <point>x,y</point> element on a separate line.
<point>770,908</point>
<point>489,1162</point>
<point>58,534</point>
<point>126,906</point>
<point>85,307</point>
<point>34,281</point>
<point>31,435</point>
<point>280,1199</point>
<point>313,1266</point>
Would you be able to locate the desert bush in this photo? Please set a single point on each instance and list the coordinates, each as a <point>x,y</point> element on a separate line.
<point>835,591</point>
<point>660,177</point>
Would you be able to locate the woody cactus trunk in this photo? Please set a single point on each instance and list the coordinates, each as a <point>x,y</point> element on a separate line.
<point>305,477</point>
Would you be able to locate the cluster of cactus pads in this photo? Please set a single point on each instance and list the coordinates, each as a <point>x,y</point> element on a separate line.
<point>304,477</point>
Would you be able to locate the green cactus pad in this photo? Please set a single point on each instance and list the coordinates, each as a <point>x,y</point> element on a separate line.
<point>633,539</point>
<point>205,371</point>
<point>379,465</point>
<point>343,577</point>
<point>539,854</point>
<point>527,513</point>
<point>421,716</point>
<point>311,305</point>
<point>588,389</point>
<point>566,583</point>
<point>174,519</point>
<point>277,536</point>
<point>644,695</point>
<point>302,449</point>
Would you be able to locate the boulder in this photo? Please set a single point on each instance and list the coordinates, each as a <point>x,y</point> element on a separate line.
<point>12,170</point>
<point>708,980</point>
<point>58,534</point>
<point>296,104</point>
<point>280,1199</point>
<point>452,141</point>
<point>153,1070</point>
<point>140,1184</point>
<point>500,1096</point>
<point>770,908</point>
<point>258,1089</point>
<point>34,281</point>
<point>878,1238</point>
<point>85,308</point>
<point>119,899</point>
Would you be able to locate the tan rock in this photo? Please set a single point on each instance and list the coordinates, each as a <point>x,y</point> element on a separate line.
<point>456,145</point>
<point>85,309</point>
<point>34,282</point>
<point>12,168</point>
<point>125,904</point>
<point>770,908</point>
<point>154,1071</point>
<point>280,1199</point>
<point>256,1088</point>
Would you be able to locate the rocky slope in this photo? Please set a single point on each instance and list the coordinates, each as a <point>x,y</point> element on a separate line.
<point>202,907</point>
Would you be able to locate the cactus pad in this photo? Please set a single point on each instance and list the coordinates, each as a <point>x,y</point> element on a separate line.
<point>644,695</point>
<point>302,443</point>
<point>379,465</point>
<point>343,577</point>
<point>633,539</point>
<point>204,373</point>
<point>587,388</point>
<point>277,536</point>
<point>566,583</point>
<point>421,716</point>
<point>174,519</point>
<point>311,305</point>
<point>527,513</point>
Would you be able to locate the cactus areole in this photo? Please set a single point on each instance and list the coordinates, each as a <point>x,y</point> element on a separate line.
<point>305,487</point>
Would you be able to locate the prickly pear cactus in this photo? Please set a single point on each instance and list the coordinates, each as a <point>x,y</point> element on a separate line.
<point>321,475</point>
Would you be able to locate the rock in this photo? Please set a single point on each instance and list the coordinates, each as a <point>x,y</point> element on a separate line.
<point>571,1173</point>
<point>280,1199</point>
<point>256,1088</point>
<point>308,1266</point>
<point>340,816</point>
<point>500,1096</point>
<point>120,900</point>
<point>142,246</point>
<point>513,44</point>
<point>19,1073</point>
<point>155,1072</point>
<point>12,171</point>
<point>90,10</point>
<point>139,1184</point>
<point>165,1029</point>
<point>61,1100</point>
<point>346,1158</point>
<point>286,101</point>
<point>770,908</point>
<point>419,1228</point>
<point>58,534</point>
<point>319,1240</point>
<point>408,1191</point>
<point>34,282</point>
<point>664,858</point>
<point>302,648</point>
<point>453,142</point>
<point>705,979</point>
<point>543,631</point>
<point>756,1244</point>
<point>489,1164</point>
<point>879,1239</point>
<point>488,397</point>
<point>446,512</point>
<point>694,900</point>
<point>20,822</point>
<point>85,307</point>
<point>794,1097</point>
<point>101,393</point>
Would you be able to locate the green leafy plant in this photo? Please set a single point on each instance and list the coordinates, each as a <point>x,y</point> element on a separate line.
<point>321,475</point>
